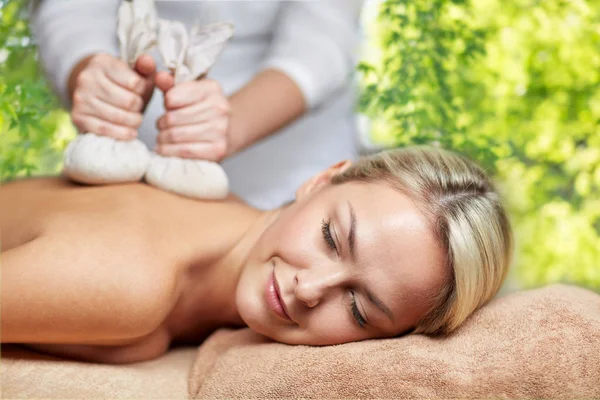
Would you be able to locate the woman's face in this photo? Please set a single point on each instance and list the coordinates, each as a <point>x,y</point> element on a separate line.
<point>343,263</point>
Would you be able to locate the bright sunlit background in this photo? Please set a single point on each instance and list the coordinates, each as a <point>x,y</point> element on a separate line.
<point>514,84</point>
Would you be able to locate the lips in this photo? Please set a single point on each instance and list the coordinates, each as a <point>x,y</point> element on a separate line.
<point>274,300</point>
<point>287,314</point>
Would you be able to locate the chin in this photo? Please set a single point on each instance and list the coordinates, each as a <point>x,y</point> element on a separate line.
<point>249,303</point>
<point>254,316</point>
<point>252,308</point>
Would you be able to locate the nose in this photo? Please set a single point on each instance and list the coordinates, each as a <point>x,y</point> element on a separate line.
<point>313,284</point>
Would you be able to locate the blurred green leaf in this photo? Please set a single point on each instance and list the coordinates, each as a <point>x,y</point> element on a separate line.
<point>31,125</point>
<point>516,86</point>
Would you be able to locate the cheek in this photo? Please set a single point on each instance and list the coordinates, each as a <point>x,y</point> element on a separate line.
<point>249,295</point>
<point>325,326</point>
<point>292,237</point>
<point>332,328</point>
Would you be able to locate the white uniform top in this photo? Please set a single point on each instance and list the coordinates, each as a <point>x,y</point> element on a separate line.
<point>312,41</point>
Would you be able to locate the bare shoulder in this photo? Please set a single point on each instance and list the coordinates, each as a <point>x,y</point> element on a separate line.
<point>20,208</point>
<point>32,207</point>
<point>64,289</point>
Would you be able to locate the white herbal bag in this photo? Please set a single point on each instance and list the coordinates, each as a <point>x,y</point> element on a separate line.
<point>189,56</point>
<point>99,160</point>
<point>95,159</point>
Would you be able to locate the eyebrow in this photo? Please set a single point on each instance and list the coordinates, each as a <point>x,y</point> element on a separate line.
<point>352,232</point>
<point>352,246</point>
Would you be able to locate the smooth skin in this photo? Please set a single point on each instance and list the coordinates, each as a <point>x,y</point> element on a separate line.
<point>102,273</point>
<point>200,120</point>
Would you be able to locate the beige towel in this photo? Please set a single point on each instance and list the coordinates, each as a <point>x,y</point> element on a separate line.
<point>26,374</point>
<point>542,343</point>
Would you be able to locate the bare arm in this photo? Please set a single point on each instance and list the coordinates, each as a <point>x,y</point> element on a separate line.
<point>311,57</point>
<point>267,103</point>
<point>146,348</point>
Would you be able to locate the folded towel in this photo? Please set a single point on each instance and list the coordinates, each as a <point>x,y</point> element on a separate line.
<point>25,374</point>
<point>542,343</point>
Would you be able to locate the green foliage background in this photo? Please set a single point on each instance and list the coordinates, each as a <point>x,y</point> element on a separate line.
<point>514,84</point>
<point>33,130</point>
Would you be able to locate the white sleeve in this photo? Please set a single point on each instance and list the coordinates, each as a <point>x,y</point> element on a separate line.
<point>314,43</point>
<point>66,31</point>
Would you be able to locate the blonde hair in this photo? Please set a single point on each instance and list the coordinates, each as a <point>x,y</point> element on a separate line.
<point>466,215</point>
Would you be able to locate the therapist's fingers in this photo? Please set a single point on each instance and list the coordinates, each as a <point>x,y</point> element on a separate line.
<point>121,74</point>
<point>92,114</point>
<point>118,116</point>
<point>188,93</point>
<point>115,71</point>
<point>193,114</point>
<point>203,132</point>
<point>94,84</point>
<point>108,95</point>
<point>146,67</point>
<point>164,81</point>
<point>88,123</point>
<point>119,96</point>
<point>210,151</point>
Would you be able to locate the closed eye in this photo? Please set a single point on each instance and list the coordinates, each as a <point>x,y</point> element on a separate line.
<point>357,315</point>
<point>326,230</point>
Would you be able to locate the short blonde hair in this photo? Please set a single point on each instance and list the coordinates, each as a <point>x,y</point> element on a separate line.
<point>466,215</point>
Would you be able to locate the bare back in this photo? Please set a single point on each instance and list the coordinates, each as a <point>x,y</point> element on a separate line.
<point>102,265</point>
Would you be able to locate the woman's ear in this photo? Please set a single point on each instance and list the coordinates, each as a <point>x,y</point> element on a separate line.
<point>322,178</point>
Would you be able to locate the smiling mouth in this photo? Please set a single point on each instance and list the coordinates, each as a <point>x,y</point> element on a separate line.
<point>279,297</point>
<point>274,299</point>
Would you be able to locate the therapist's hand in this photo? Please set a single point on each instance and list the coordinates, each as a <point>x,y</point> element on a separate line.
<point>109,96</point>
<point>196,122</point>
